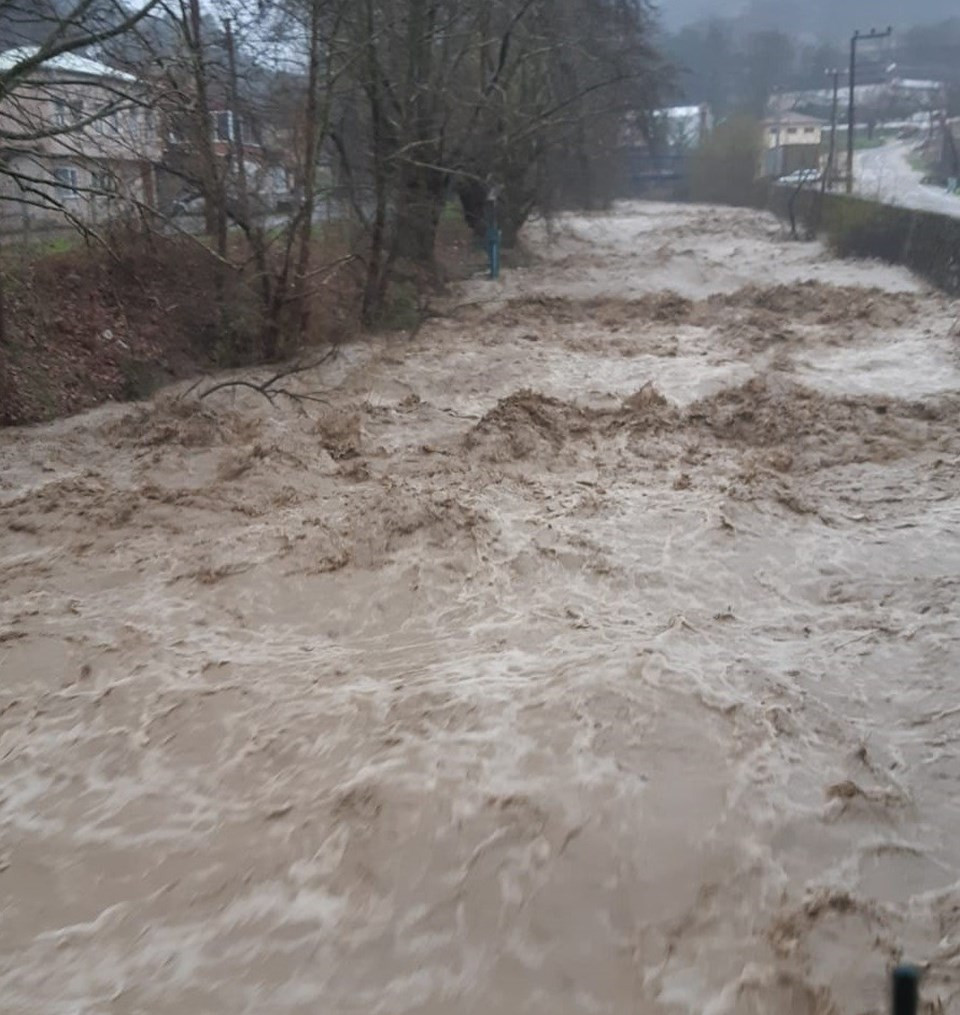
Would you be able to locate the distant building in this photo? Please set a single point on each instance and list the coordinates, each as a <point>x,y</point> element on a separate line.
<point>792,141</point>
<point>76,136</point>
<point>654,152</point>
<point>266,147</point>
<point>922,94</point>
<point>81,141</point>
<point>882,98</point>
<point>682,128</point>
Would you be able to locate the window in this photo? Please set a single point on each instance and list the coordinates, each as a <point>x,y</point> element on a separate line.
<point>222,123</point>
<point>105,182</point>
<point>109,122</point>
<point>791,130</point>
<point>228,127</point>
<point>773,131</point>
<point>67,180</point>
<point>67,112</point>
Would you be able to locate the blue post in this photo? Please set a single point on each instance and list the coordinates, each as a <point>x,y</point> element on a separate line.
<point>493,250</point>
<point>906,990</point>
<point>493,232</point>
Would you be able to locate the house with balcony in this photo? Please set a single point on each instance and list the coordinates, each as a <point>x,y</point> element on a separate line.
<point>78,141</point>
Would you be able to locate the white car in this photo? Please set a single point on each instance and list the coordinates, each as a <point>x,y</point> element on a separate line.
<point>188,205</point>
<point>802,176</point>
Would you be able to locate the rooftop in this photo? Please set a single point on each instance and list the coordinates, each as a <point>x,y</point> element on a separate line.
<point>680,112</point>
<point>925,86</point>
<point>790,117</point>
<point>65,63</point>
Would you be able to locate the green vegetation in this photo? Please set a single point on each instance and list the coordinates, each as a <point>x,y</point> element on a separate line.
<point>725,167</point>
<point>400,309</point>
<point>924,242</point>
<point>140,379</point>
<point>25,247</point>
<point>452,212</point>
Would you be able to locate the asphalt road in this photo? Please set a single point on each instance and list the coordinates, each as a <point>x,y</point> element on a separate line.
<point>885,174</point>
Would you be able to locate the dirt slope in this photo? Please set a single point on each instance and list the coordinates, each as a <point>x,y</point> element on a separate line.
<point>595,651</point>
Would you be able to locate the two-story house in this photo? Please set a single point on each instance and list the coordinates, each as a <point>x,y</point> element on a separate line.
<point>265,149</point>
<point>76,137</point>
<point>792,142</point>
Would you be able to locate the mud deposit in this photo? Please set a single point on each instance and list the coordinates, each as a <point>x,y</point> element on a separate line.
<point>596,651</point>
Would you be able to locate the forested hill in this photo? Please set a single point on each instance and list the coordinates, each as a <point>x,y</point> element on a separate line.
<point>817,17</point>
<point>26,22</point>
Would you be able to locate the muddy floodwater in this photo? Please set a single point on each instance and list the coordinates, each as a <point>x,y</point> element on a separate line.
<point>593,651</point>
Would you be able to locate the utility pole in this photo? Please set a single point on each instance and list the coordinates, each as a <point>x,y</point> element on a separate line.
<point>855,38</point>
<point>214,185</point>
<point>827,182</point>
<point>776,168</point>
<point>234,121</point>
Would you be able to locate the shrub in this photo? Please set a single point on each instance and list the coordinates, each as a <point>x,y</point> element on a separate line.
<point>924,242</point>
<point>725,167</point>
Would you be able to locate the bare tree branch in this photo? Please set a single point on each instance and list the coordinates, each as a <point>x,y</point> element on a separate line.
<point>269,389</point>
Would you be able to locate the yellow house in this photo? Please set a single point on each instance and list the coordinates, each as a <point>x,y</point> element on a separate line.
<point>791,141</point>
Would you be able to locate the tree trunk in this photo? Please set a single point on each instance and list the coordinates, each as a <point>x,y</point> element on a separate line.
<point>421,205</point>
<point>311,154</point>
<point>473,198</point>
<point>215,199</point>
<point>376,280</point>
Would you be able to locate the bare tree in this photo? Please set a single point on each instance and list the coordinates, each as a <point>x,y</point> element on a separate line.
<point>481,93</point>
<point>57,103</point>
<point>399,104</point>
<point>243,106</point>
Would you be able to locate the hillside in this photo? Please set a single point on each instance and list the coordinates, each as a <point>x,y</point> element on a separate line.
<point>815,17</point>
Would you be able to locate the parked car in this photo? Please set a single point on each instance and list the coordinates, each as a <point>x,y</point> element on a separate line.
<point>188,205</point>
<point>801,176</point>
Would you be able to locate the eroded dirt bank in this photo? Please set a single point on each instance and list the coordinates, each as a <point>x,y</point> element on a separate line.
<point>596,651</point>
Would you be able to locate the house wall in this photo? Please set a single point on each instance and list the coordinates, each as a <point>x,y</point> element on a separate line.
<point>133,146</point>
<point>789,158</point>
<point>89,190</point>
<point>801,156</point>
<point>127,131</point>
<point>86,168</point>
<point>785,134</point>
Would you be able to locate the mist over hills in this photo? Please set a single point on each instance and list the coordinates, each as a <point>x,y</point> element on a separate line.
<point>821,18</point>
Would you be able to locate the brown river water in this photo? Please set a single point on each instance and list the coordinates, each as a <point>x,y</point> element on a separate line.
<point>593,651</point>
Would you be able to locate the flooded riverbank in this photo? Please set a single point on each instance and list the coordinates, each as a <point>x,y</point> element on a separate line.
<point>593,651</point>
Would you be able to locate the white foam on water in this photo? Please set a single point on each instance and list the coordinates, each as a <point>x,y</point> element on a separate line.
<point>531,701</point>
